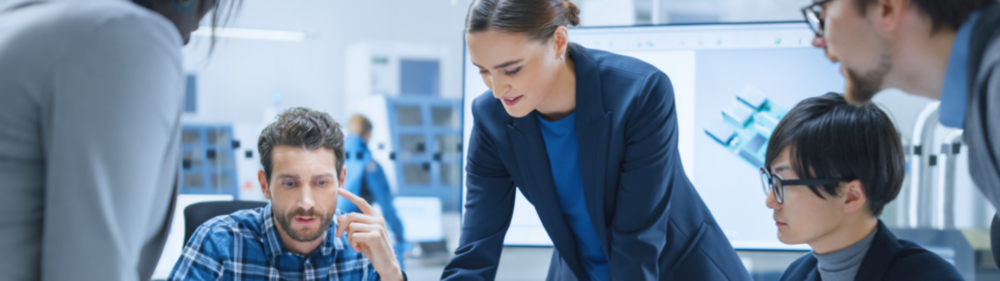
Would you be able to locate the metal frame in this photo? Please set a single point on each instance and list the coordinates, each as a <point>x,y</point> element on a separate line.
<point>950,150</point>
<point>920,211</point>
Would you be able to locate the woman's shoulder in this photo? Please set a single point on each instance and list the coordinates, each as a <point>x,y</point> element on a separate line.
<point>83,17</point>
<point>624,78</point>
<point>622,66</point>
<point>73,25</point>
<point>127,18</point>
<point>624,81</point>
<point>50,26</point>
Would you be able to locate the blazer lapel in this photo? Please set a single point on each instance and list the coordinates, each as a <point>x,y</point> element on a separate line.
<point>533,163</point>
<point>593,127</point>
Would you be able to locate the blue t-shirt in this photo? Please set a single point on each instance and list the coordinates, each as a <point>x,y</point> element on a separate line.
<point>561,146</point>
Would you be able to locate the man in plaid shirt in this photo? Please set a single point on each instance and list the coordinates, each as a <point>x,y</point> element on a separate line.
<point>295,237</point>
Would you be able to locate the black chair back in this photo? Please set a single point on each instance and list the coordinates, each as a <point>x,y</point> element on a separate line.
<point>199,213</point>
<point>995,238</point>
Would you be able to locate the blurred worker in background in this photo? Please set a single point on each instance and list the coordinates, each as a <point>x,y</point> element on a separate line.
<point>366,178</point>
<point>92,94</point>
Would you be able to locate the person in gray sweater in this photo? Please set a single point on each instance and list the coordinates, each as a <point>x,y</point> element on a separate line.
<point>90,108</point>
<point>945,50</point>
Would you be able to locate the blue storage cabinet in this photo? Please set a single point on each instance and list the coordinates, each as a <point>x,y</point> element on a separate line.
<point>427,141</point>
<point>208,160</point>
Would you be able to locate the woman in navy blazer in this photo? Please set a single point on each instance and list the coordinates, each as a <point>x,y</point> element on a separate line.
<point>618,206</point>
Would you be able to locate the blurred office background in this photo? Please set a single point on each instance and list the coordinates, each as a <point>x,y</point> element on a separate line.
<point>400,63</point>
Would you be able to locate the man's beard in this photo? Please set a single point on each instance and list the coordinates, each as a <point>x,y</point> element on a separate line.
<point>861,87</point>
<point>285,220</point>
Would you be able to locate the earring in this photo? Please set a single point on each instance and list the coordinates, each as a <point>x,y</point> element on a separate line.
<point>183,6</point>
<point>562,56</point>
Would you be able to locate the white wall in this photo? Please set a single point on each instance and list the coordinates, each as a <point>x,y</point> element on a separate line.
<point>241,76</point>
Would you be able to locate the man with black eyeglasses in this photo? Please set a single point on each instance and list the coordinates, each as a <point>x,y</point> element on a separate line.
<point>830,168</point>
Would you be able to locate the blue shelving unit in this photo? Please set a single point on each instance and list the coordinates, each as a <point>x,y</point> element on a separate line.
<point>427,141</point>
<point>208,160</point>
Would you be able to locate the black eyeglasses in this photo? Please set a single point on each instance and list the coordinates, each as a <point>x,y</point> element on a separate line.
<point>814,16</point>
<point>778,184</point>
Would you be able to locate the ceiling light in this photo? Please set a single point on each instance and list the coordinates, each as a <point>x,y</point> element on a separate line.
<point>253,34</point>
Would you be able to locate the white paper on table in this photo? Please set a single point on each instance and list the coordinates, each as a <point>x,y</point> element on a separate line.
<point>421,217</point>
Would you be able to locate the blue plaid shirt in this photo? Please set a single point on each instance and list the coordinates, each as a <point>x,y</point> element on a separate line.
<point>245,246</point>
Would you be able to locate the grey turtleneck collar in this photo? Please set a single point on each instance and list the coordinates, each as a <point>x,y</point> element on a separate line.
<point>843,264</point>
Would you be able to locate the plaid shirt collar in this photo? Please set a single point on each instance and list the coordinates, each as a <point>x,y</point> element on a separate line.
<point>275,247</point>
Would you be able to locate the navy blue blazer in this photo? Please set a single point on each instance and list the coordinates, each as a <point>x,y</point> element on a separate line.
<point>651,222</point>
<point>887,259</point>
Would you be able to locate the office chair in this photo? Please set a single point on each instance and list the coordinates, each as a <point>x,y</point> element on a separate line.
<point>995,238</point>
<point>197,214</point>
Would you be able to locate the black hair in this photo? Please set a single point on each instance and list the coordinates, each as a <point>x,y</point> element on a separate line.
<point>828,138</point>
<point>538,19</point>
<point>943,13</point>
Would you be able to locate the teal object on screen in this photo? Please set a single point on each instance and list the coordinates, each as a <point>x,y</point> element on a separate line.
<point>746,125</point>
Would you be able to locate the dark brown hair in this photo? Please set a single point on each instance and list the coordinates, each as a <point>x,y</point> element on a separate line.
<point>538,19</point>
<point>943,13</point>
<point>832,139</point>
<point>301,127</point>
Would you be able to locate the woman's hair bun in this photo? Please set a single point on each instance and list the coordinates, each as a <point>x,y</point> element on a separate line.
<point>572,14</point>
<point>538,19</point>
